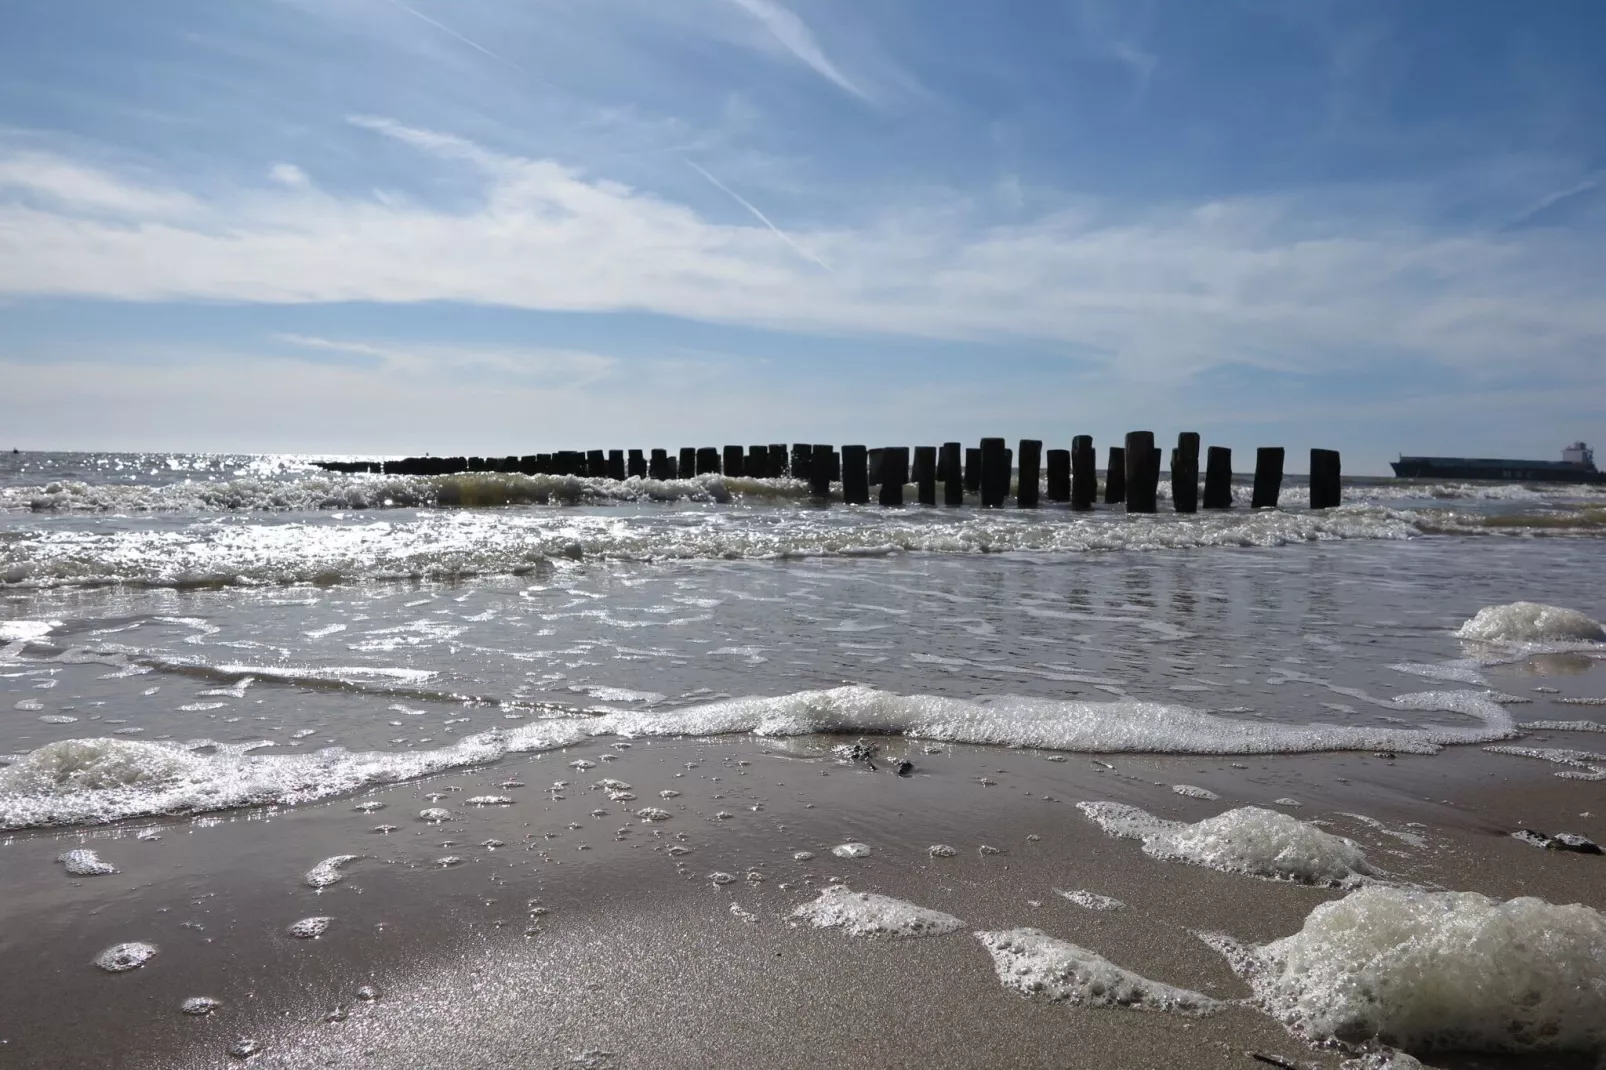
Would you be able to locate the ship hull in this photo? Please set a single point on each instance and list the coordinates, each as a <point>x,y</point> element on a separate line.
<point>1495,469</point>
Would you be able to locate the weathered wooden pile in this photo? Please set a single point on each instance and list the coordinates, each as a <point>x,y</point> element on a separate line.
<point>1058,476</point>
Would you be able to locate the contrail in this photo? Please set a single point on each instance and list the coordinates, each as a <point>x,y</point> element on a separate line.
<point>475,45</point>
<point>760,216</point>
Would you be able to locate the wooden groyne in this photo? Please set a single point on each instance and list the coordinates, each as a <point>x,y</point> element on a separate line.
<point>1132,474</point>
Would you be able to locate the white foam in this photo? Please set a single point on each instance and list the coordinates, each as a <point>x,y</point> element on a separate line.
<point>1531,622</point>
<point>14,631</point>
<point>851,850</point>
<point>328,872</point>
<point>1563,726</point>
<point>868,914</point>
<point>1438,970</point>
<point>1092,900</point>
<point>1461,671</point>
<point>1194,793</point>
<point>1036,964</point>
<point>309,928</point>
<point>1250,840</point>
<point>98,780</point>
<point>82,862</point>
<point>123,957</point>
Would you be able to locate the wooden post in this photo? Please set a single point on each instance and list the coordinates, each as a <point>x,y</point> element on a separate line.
<point>953,474</point>
<point>855,475</point>
<point>687,465</point>
<point>802,460</point>
<point>1058,469</point>
<point>1325,479</point>
<point>925,474</point>
<point>1028,489</point>
<point>543,464</point>
<point>733,461</point>
<point>1084,473</point>
<point>757,465</point>
<point>994,473</point>
<point>1115,476</point>
<point>708,460</point>
<point>894,474</point>
<point>819,469</point>
<point>596,464</point>
<point>1142,474</point>
<point>873,460</point>
<point>972,470</point>
<point>616,464</point>
<point>1218,478</point>
<point>1268,477</point>
<point>658,465</point>
<point>1185,473</point>
<point>636,466</point>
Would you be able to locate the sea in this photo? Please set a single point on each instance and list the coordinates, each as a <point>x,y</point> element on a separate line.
<point>183,633</point>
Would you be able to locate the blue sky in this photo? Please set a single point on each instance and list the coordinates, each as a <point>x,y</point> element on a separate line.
<point>509,225</point>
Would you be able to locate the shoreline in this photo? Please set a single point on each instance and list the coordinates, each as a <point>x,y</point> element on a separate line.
<point>682,980</point>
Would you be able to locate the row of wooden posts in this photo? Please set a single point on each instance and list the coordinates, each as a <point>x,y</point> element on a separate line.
<point>1132,474</point>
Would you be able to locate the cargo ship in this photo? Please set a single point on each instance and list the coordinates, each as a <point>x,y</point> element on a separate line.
<point>1577,465</point>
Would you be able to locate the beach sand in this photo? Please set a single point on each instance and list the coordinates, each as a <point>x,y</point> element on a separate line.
<point>584,941</point>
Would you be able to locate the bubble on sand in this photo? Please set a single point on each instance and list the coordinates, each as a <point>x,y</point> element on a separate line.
<point>1195,793</point>
<point>368,993</point>
<point>582,764</point>
<point>1091,900</point>
<point>1288,802</point>
<point>310,928</point>
<point>1036,964</point>
<point>82,862</point>
<point>245,1047</point>
<point>652,813</point>
<point>1531,622</point>
<point>121,957</point>
<point>386,828</point>
<point>58,718</point>
<point>941,850</point>
<point>609,784</point>
<point>328,872</point>
<point>489,800</point>
<point>369,807</point>
<point>199,1006</point>
<point>802,856</point>
<point>448,861</point>
<point>669,793</point>
<point>851,850</point>
<point>868,914</point>
<point>743,915</point>
<point>621,796</point>
<point>434,814</point>
<point>1250,840</point>
<point>720,877</point>
<point>1436,971</point>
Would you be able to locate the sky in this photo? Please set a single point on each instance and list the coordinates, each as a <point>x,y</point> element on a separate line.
<point>509,226</point>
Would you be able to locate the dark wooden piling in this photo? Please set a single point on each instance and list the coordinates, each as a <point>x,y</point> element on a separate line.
<point>953,474</point>
<point>777,467</point>
<point>1058,470</point>
<point>1142,473</point>
<point>733,461</point>
<point>1218,478</point>
<point>925,474</point>
<point>1185,473</point>
<point>757,465</point>
<point>1031,472</point>
<point>1084,473</point>
<point>658,465</point>
<point>873,459</point>
<point>543,464</point>
<point>894,474</point>
<point>1268,477</point>
<point>687,465</point>
<point>1115,476</point>
<point>1325,479</point>
<point>596,464</point>
<point>708,460</point>
<point>855,475</point>
<point>802,460</point>
<point>994,473</point>
<point>616,464</point>
<point>972,470</point>
<point>819,469</point>
<point>636,465</point>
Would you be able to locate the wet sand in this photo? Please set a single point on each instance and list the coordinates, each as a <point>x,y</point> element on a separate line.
<point>600,946</point>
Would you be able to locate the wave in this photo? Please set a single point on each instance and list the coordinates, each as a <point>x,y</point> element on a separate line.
<point>94,781</point>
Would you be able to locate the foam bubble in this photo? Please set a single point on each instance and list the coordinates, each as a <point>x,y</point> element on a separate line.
<point>1438,970</point>
<point>1531,622</point>
<point>1036,964</point>
<point>199,1006</point>
<point>851,850</point>
<point>1092,900</point>
<point>328,872</point>
<point>652,813</point>
<point>488,800</point>
<point>123,957</point>
<point>868,914</point>
<point>82,862</point>
<point>1194,793</point>
<point>310,928</point>
<point>941,850</point>
<point>1250,840</point>
<point>434,814</point>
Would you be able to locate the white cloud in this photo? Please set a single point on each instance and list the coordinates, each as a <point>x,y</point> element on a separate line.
<point>796,37</point>
<point>1281,283</point>
<point>555,368</point>
<point>288,174</point>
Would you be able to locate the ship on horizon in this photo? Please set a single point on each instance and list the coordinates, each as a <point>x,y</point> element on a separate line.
<point>1577,465</point>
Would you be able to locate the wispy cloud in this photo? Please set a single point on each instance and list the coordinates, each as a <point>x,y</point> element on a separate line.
<point>760,216</point>
<point>796,37</point>
<point>443,28</point>
<point>556,368</point>
<point>1558,197</point>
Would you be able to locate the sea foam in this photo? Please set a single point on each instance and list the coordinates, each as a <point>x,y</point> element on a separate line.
<point>96,780</point>
<point>1249,840</point>
<point>868,914</point>
<point>1531,622</point>
<point>1437,970</point>
<point>1036,964</point>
